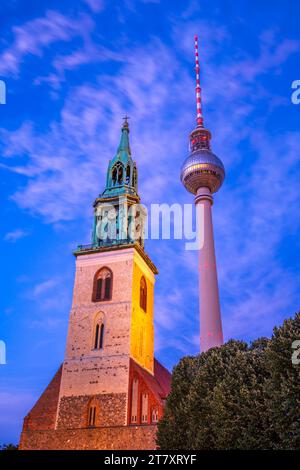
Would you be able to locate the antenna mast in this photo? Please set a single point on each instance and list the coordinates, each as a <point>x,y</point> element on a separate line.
<point>198,88</point>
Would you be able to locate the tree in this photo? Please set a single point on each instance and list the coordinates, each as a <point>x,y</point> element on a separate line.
<point>238,408</point>
<point>8,447</point>
<point>236,396</point>
<point>282,389</point>
<point>174,426</point>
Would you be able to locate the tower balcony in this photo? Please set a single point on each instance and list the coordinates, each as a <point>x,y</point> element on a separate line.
<point>105,244</point>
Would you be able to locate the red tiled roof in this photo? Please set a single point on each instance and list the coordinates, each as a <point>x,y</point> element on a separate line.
<point>163,377</point>
<point>43,414</point>
<point>159,383</point>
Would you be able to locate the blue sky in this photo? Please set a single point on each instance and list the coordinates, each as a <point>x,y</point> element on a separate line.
<point>73,69</point>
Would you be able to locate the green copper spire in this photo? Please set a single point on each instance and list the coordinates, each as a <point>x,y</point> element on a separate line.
<point>124,142</point>
<point>122,171</point>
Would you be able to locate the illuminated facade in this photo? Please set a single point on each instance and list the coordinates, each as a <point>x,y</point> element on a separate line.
<point>109,392</point>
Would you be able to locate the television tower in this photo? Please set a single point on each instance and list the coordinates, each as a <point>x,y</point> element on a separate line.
<point>202,174</point>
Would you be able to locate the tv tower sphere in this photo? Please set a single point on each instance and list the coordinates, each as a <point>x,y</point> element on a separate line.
<point>202,168</point>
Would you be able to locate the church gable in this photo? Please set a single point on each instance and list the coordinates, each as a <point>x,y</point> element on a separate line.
<point>43,414</point>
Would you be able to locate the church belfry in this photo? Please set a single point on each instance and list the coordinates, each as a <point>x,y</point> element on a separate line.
<point>110,390</point>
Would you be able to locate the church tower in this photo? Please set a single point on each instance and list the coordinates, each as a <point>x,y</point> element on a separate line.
<point>110,391</point>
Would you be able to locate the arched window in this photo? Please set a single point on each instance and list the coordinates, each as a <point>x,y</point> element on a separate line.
<point>98,331</point>
<point>144,408</point>
<point>99,336</point>
<point>154,415</point>
<point>117,174</point>
<point>134,400</point>
<point>102,285</point>
<point>143,294</point>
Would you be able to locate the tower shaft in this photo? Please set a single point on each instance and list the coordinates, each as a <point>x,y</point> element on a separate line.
<point>202,174</point>
<point>211,334</point>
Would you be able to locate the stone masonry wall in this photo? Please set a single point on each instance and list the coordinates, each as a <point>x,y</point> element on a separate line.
<point>113,438</point>
<point>111,410</point>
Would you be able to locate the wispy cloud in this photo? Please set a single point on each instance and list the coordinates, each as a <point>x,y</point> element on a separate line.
<point>36,35</point>
<point>64,165</point>
<point>49,301</point>
<point>44,286</point>
<point>15,235</point>
<point>96,5</point>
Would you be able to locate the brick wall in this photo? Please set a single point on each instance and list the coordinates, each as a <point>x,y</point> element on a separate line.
<point>87,371</point>
<point>113,438</point>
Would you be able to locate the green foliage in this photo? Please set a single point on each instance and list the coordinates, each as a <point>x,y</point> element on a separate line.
<point>236,397</point>
<point>8,447</point>
<point>283,386</point>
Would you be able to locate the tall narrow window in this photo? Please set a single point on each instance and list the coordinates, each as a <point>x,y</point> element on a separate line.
<point>99,336</point>
<point>102,285</point>
<point>144,408</point>
<point>143,294</point>
<point>154,415</point>
<point>120,175</point>
<point>135,177</point>
<point>128,174</point>
<point>92,416</point>
<point>99,288</point>
<point>114,176</point>
<point>107,288</point>
<point>96,336</point>
<point>134,401</point>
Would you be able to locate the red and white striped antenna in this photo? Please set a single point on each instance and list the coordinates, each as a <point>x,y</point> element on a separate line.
<point>198,88</point>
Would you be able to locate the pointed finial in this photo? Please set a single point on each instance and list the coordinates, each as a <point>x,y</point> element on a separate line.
<point>125,118</point>
<point>198,88</point>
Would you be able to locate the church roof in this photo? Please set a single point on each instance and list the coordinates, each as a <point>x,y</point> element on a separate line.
<point>43,413</point>
<point>159,383</point>
<point>163,376</point>
<point>122,172</point>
